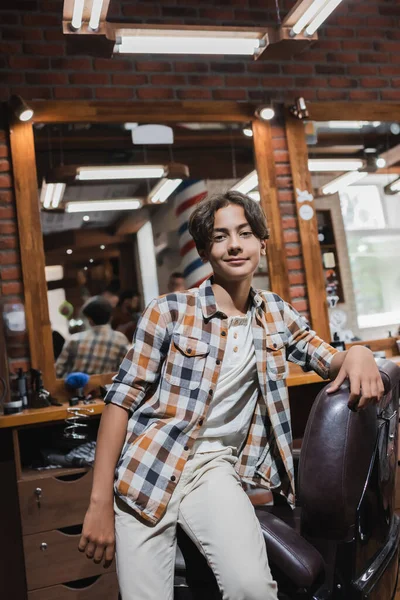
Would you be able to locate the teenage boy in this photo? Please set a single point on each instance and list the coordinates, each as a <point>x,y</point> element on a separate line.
<point>200,404</point>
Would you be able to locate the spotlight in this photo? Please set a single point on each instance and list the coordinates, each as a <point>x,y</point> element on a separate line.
<point>380,163</point>
<point>20,108</point>
<point>299,109</point>
<point>265,113</point>
<point>247,130</point>
<point>69,251</point>
<point>86,218</point>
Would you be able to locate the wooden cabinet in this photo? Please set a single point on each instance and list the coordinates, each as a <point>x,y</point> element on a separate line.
<point>103,587</point>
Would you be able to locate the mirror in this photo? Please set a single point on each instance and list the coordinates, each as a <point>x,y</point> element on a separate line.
<point>114,201</point>
<point>355,172</point>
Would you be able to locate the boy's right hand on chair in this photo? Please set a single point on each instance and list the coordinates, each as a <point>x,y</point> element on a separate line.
<point>98,534</point>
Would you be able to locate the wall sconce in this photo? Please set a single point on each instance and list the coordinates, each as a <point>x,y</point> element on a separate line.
<point>20,108</point>
<point>265,113</point>
<point>299,109</point>
<point>247,130</point>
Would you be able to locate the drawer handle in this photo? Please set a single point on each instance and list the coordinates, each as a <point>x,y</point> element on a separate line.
<point>38,494</point>
<point>43,546</point>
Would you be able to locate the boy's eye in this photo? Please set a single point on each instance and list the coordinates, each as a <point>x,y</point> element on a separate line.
<point>246,233</point>
<point>218,238</point>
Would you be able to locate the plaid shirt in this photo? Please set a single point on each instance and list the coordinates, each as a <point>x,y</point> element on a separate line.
<point>97,350</point>
<point>167,379</point>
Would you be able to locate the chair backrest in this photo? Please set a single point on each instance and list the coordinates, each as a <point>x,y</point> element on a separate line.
<point>336,456</point>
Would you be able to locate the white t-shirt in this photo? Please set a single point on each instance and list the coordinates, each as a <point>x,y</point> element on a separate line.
<point>232,406</point>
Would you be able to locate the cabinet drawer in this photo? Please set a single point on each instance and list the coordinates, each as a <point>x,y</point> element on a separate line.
<point>104,588</point>
<point>52,503</point>
<point>53,557</point>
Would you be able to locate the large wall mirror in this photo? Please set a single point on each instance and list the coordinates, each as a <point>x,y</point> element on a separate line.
<point>99,209</point>
<point>353,159</point>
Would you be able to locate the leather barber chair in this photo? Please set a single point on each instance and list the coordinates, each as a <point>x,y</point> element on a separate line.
<point>342,540</point>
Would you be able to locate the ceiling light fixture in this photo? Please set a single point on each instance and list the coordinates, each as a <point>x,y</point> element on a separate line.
<point>306,17</point>
<point>299,109</point>
<point>69,251</point>
<point>191,40</point>
<point>265,113</point>
<point>163,190</point>
<point>248,130</point>
<point>95,15</point>
<point>51,194</point>
<point>102,205</point>
<point>86,218</point>
<point>102,247</point>
<point>20,108</point>
<point>246,184</point>
<point>334,164</point>
<point>120,172</point>
<point>342,182</point>
<point>380,163</point>
<point>89,12</point>
<point>77,15</point>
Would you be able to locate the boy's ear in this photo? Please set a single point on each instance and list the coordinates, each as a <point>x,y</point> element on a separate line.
<point>263,247</point>
<point>203,255</point>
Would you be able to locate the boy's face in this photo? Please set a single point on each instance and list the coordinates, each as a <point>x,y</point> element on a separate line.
<point>234,252</point>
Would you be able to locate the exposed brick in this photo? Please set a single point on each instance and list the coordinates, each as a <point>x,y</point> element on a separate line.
<point>44,49</point>
<point>291,236</point>
<point>6,197</point>
<point>356,70</point>
<point>9,258</point>
<point>343,57</point>
<point>263,67</point>
<point>50,78</point>
<point>9,48</point>
<point>363,95</point>
<point>293,250</point>
<point>72,64</point>
<point>190,67</point>
<point>229,94</point>
<point>374,82</point>
<point>41,21</point>
<point>298,291</point>
<point>342,82</point>
<point>217,14</point>
<point>129,79</point>
<point>4,166</point>
<point>173,80</point>
<point>29,92</point>
<point>296,279</point>
<point>115,93</point>
<point>10,273</point>
<point>11,288</point>
<point>206,80</point>
<point>289,223</point>
<point>237,81</point>
<point>138,12</point>
<point>153,93</point>
<point>227,67</point>
<point>300,305</point>
<point>5,182</point>
<point>330,69</point>
<point>20,33</point>
<point>8,243</point>
<point>194,94</point>
<point>154,66</point>
<point>73,93</point>
<point>298,69</point>
<point>54,35</point>
<point>391,95</point>
<point>28,62</point>
<point>112,64</point>
<point>373,57</point>
<point>295,264</point>
<point>89,78</point>
<point>389,70</point>
<point>340,32</point>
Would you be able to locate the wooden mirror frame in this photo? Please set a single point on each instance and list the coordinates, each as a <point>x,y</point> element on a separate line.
<point>298,154</point>
<point>28,208</point>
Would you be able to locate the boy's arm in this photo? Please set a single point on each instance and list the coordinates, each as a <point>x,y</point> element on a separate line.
<point>141,366</point>
<point>65,359</point>
<point>308,350</point>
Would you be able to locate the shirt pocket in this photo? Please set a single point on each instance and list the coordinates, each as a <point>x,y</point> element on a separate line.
<point>186,361</point>
<point>277,365</point>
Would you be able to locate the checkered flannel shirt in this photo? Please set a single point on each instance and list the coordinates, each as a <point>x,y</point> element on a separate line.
<point>168,378</point>
<point>97,350</point>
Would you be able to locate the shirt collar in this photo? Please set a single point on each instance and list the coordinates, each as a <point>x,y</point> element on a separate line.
<point>209,304</point>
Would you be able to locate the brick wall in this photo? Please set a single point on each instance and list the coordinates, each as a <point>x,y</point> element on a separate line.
<point>356,58</point>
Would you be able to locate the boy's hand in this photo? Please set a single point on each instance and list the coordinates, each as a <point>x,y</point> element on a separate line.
<point>98,534</point>
<point>360,368</point>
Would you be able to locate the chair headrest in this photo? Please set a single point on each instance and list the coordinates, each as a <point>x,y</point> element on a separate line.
<point>335,458</point>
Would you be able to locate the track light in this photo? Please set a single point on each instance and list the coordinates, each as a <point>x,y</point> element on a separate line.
<point>163,190</point>
<point>51,194</point>
<point>20,108</point>
<point>81,12</point>
<point>246,184</point>
<point>380,163</point>
<point>342,182</point>
<point>323,165</point>
<point>299,109</point>
<point>101,205</point>
<point>120,172</point>
<point>265,113</point>
<point>248,130</point>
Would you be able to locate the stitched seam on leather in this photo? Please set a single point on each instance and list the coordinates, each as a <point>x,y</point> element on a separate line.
<point>282,543</point>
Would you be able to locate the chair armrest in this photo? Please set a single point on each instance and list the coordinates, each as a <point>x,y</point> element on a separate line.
<point>291,553</point>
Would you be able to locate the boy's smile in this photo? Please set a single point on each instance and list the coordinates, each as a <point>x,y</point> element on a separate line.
<point>234,251</point>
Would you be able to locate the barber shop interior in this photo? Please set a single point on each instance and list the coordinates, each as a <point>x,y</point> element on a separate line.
<point>200,300</point>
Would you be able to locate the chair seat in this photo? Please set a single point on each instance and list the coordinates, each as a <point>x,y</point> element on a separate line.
<point>291,553</point>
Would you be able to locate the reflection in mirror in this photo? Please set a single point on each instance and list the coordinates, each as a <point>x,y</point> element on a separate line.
<point>115,201</point>
<point>355,169</point>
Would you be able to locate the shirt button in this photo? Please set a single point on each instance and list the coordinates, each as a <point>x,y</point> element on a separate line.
<point>223,333</point>
<point>217,362</point>
<point>201,421</point>
<point>189,350</point>
<point>186,448</point>
<point>275,345</point>
<point>235,336</point>
<point>211,392</point>
<point>173,478</point>
<point>235,349</point>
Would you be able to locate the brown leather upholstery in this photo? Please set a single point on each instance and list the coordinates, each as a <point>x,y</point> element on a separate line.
<point>335,458</point>
<point>294,556</point>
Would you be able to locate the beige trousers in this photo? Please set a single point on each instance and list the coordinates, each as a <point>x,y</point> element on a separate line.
<point>211,506</point>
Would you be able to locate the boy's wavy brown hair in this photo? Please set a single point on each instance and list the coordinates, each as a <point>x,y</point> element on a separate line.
<point>201,221</point>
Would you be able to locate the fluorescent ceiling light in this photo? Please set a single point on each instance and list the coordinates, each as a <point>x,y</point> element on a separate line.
<point>163,190</point>
<point>340,183</point>
<point>321,16</point>
<point>51,194</point>
<point>77,15</point>
<point>246,184</point>
<point>334,164</point>
<point>313,16</point>
<point>94,21</point>
<point>101,205</point>
<point>120,172</point>
<point>254,196</point>
<point>393,188</point>
<point>195,41</point>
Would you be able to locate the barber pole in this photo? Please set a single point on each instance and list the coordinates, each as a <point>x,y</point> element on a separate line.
<point>194,270</point>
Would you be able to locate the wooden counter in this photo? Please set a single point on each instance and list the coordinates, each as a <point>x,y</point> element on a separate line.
<point>33,416</point>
